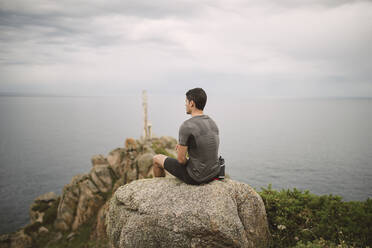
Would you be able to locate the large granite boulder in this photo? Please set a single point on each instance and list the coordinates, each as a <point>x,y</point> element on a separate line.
<point>165,212</point>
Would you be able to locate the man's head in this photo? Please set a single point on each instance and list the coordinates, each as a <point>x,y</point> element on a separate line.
<point>195,100</point>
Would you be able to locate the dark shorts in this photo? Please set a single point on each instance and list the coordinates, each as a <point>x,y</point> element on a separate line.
<point>179,170</point>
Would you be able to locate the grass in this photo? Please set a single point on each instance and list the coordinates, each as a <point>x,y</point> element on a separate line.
<point>303,219</point>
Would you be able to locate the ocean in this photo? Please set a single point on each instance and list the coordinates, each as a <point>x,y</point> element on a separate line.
<point>320,145</point>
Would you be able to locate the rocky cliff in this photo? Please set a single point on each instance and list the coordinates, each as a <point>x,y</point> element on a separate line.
<point>77,218</point>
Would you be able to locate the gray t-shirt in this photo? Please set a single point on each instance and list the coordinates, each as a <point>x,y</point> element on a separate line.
<point>200,135</point>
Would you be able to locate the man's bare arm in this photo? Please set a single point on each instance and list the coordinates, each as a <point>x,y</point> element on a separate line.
<point>181,154</point>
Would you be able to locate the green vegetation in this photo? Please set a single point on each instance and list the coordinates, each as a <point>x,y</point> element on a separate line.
<point>51,213</point>
<point>296,219</point>
<point>81,239</point>
<point>302,219</point>
<point>41,206</point>
<point>320,243</point>
<point>158,149</point>
<point>32,228</point>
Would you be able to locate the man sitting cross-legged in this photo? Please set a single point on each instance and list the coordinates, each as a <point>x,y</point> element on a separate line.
<point>199,136</point>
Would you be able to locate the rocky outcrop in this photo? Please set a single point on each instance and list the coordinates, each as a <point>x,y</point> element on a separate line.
<point>161,211</point>
<point>16,240</point>
<point>99,232</point>
<point>86,194</point>
<point>40,205</point>
<point>42,212</point>
<point>165,212</point>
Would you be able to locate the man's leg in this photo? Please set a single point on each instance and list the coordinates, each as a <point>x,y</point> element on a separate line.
<point>158,165</point>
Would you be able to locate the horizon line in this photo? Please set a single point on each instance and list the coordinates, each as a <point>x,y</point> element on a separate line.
<point>23,94</point>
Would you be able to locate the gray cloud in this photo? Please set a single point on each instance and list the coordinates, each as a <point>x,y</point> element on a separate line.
<point>286,48</point>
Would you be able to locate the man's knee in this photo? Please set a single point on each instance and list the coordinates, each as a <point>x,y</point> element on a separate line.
<point>156,160</point>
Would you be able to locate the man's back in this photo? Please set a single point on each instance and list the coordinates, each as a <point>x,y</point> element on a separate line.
<point>200,133</point>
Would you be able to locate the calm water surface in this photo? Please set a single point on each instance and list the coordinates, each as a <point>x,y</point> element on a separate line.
<point>320,145</point>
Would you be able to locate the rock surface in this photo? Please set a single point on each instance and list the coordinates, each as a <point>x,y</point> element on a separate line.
<point>165,212</point>
<point>86,194</point>
<point>47,197</point>
<point>85,200</point>
<point>40,204</point>
<point>16,240</point>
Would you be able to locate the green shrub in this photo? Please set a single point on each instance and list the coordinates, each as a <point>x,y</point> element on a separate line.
<point>80,240</point>
<point>161,150</point>
<point>320,243</point>
<point>301,216</point>
<point>41,206</point>
<point>51,213</point>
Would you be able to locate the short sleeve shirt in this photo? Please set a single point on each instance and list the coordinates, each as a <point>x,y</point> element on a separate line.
<point>201,135</point>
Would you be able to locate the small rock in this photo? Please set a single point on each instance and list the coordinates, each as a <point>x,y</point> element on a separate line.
<point>40,217</point>
<point>98,159</point>
<point>70,236</point>
<point>4,238</point>
<point>281,227</point>
<point>17,240</point>
<point>102,178</point>
<point>43,229</point>
<point>130,144</point>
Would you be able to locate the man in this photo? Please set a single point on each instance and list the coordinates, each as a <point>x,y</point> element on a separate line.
<point>199,137</point>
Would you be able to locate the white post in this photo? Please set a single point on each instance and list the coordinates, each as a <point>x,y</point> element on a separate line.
<point>144,104</point>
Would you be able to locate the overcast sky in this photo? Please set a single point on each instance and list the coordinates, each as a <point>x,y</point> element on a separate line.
<point>255,48</point>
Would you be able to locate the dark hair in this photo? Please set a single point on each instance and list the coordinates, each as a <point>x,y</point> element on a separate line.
<point>199,97</point>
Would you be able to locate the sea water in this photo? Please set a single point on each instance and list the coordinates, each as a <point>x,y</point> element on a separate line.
<point>320,145</point>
